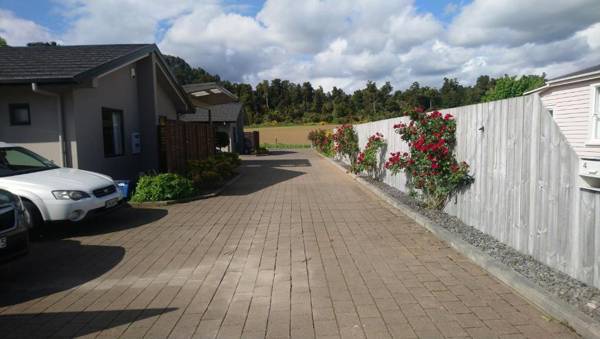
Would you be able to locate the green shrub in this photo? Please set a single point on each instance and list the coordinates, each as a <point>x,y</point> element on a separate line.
<point>261,150</point>
<point>233,157</point>
<point>166,186</point>
<point>213,170</point>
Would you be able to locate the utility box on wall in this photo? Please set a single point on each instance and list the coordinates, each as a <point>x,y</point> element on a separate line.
<point>136,143</point>
<point>589,172</point>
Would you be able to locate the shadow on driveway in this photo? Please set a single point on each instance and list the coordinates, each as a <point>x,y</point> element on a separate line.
<point>71,324</point>
<point>119,220</point>
<point>260,174</point>
<point>54,266</point>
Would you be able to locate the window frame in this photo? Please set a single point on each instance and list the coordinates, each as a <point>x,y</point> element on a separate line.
<point>592,139</point>
<point>11,111</point>
<point>121,130</point>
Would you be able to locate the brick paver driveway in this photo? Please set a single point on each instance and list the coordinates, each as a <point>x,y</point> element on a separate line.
<point>295,248</point>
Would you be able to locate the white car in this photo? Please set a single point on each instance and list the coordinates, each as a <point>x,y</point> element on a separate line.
<point>52,193</point>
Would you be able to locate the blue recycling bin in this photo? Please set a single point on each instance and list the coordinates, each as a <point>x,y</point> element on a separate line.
<point>123,186</point>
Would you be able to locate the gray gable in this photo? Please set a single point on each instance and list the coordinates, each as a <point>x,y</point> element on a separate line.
<point>580,72</point>
<point>220,113</point>
<point>64,63</point>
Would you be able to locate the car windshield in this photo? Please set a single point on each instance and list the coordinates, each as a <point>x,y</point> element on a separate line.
<point>18,160</point>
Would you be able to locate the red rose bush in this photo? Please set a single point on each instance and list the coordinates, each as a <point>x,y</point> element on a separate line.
<point>367,160</point>
<point>432,171</point>
<point>346,144</point>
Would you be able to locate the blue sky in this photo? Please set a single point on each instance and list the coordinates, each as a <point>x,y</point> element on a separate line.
<point>341,43</point>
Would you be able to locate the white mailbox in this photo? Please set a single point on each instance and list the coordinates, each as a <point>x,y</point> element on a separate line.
<point>136,143</point>
<point>589,171</point>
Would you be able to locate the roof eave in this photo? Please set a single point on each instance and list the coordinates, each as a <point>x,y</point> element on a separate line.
<point>573,77</point>
<point>48,81</point>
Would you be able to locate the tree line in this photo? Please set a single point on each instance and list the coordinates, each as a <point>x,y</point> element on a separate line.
<point>283,101</point>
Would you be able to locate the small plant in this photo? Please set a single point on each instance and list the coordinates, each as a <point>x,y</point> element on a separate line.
<point>346,143</point>
<point>432,171</point>
<point>322,140</point>
<point>367,160</point>
<point>165,186</point>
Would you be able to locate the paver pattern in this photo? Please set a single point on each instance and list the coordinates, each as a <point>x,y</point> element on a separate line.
<point>294,249</point>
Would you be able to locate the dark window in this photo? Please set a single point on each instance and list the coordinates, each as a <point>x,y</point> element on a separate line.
<point>112,132</point>
<point>19,114</point>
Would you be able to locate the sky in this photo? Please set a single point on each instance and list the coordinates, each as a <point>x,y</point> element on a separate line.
<point>342,43</point>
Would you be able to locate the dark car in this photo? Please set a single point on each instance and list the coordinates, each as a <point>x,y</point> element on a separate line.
<point>14,234</point>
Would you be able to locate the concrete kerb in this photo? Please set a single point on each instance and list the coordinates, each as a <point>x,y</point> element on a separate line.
<point>583,324</point>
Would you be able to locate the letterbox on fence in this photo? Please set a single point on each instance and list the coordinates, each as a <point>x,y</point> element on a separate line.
<point>589,171</point>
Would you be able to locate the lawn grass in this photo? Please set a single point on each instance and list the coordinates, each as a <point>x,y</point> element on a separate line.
<point>285,146</point>
<point>287,135</point>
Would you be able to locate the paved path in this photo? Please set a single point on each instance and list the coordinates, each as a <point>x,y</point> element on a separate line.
<point>295,248</point>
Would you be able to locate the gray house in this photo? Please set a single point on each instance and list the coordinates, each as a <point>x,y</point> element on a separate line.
<point>228,118</point>
<point>93,107</point>
<point>216,105</point>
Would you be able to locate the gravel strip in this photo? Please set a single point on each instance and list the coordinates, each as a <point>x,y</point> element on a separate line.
<point>585,298</point>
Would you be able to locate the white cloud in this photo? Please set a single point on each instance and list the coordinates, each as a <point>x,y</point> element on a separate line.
<point>516,22</point>
<point>118,21</point>
<point>341,43</point>
<point>17,31</point>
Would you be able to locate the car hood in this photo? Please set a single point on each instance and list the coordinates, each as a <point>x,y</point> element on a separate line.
<point>58,179</point>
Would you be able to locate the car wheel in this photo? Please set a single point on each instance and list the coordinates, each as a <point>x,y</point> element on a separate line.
<point>33,215</point>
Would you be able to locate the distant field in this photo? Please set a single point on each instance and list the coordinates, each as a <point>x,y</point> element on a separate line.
<point>292,135</point>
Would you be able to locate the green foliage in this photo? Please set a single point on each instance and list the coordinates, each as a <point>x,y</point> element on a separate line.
<point>221,139</point>
<point>42,44</point>
<point>368,160</point>
<point>284,146</point>
<point>3,42</point>
<point>261,151</point>
<point>322,140</point>
<point>213,170</point>
<point>346,143</point>
<point>166,186</point>
<point>509,87</point>
<point>185,74</point>
<point>432,171</point>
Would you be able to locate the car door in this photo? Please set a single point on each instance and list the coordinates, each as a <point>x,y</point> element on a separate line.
<point>8,215</point>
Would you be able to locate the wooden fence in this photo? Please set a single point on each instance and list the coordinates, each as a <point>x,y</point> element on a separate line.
<point>181,142</point>
<point>526,190</point>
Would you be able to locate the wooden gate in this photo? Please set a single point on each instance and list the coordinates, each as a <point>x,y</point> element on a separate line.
<point>181,142</point>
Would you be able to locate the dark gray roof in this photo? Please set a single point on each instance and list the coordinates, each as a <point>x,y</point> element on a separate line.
<point>58,64</point>
<point>580,72</point>
<point>220,113</point>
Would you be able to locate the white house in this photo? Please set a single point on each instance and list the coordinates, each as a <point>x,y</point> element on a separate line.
<point>574,101</point>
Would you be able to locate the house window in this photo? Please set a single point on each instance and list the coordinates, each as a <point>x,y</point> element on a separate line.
<point>112,132</point>
<point>595,118</point>
<point>19,114</point>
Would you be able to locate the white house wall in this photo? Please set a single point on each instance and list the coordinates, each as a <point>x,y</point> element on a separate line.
<point>572,105</point>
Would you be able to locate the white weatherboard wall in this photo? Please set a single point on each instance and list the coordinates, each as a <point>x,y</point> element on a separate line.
<point>525,192</point>
<point>572,106</point>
